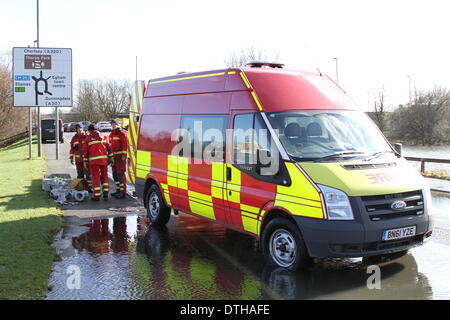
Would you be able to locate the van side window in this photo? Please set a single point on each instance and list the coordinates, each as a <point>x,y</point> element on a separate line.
<point>250,134</point>
<point>206,136</point>
<point>251,138</point>
<point>243,139</point>
<point>264,141</point>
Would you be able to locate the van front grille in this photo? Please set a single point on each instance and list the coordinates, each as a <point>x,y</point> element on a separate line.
<point>380,207</point>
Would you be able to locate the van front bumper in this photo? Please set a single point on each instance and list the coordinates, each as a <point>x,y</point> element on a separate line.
<point>351,239</point>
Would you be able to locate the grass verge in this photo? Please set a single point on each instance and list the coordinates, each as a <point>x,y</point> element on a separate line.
<point>438,174</point>
<point>29,221</point>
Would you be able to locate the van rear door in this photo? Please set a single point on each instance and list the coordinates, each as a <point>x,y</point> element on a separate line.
<point>133,129</point>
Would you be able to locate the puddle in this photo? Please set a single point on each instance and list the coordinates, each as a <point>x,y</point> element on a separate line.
<point>128,258</point>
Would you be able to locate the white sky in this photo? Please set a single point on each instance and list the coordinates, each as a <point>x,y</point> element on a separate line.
<point>376,42</point>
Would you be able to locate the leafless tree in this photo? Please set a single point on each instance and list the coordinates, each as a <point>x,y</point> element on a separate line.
<point>13,120</point>
<point>102,99</point>
<point>86,103</point>
<point>380,108</point>
<point>427,119</point>
<point>244,56</point>
<point>113,97</point>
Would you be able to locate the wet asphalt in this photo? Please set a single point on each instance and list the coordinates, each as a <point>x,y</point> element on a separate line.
<point>128,258</point>
<point>118,254</point>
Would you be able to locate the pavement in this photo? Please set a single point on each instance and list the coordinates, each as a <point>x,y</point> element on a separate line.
<point>88,209</point>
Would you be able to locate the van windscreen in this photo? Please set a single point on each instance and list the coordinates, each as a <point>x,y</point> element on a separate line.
<point>319,135</point>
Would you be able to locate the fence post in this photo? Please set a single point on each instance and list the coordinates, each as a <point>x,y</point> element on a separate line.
<point>422,165</point>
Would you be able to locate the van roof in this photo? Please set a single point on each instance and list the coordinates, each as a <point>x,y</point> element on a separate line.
<point>275,89</point>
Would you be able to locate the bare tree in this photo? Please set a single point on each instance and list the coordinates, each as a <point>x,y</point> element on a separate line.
<point>380,108</point>
<point>12,120</point>
<point>102,99</point>
<point>113,97</point>
<point>244,56</point>
<point>86,103</point>
<point>427,119</point>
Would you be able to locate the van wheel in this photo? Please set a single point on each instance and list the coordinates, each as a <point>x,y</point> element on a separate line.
<point>157,211</point>
<point>283,245</point>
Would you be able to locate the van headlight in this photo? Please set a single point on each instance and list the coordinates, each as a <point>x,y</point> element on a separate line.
<point>427,199</point>
<point>338,205</point>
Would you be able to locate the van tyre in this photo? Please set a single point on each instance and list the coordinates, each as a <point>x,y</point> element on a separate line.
<point>283,245</point>
<point>157,211</point>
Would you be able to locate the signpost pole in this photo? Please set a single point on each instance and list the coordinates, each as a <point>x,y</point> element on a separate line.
<point>38,127</point>
<point>57,133</point>
<point>30,134</point>
<point>39,130</point>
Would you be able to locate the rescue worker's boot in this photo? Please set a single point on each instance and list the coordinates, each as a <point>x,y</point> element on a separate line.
<point>115,194</point>
<point>95,199</point>
<point>105,195</point>
<point>120,195</point>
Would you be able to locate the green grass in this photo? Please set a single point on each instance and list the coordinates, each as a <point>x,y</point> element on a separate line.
<point>438,174</point>
<point>28,223</point>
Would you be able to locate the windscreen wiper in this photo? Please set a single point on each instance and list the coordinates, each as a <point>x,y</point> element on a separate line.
<point>377,155</point>
<point>338,154</point>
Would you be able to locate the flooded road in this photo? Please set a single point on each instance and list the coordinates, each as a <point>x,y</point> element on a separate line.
<point>128,258</point>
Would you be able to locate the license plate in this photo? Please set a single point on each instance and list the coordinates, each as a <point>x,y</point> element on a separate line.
<point>51,130</point>
<point>399,233</point>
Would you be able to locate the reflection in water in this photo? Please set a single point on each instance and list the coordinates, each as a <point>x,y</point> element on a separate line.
<point>340,280</point>
<point>128,258</point>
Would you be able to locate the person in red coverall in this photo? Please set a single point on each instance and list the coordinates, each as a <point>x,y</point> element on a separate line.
<point>119,143</point>
<point>99,154</point>
<point>86,162</point>
<point>77,150</point>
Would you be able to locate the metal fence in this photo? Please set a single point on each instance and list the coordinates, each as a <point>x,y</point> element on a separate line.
<point>12,139</point>
<point>423,161</point>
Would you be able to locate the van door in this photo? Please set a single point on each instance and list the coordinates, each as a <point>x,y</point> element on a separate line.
<point>201,166</point>
<point>247,190</point>
<point>133,128</point>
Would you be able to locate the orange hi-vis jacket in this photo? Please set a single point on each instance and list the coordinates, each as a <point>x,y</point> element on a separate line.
<point>119,142</point>
<point>97,150</point>
<point>78,147</point>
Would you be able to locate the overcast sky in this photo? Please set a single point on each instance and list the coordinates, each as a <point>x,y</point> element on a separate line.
<point>377,43</point>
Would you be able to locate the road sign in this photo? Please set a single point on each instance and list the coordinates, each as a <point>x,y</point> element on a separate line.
<point>42,77</point>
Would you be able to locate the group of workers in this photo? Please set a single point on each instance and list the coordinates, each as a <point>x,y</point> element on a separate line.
<point>92,152</point>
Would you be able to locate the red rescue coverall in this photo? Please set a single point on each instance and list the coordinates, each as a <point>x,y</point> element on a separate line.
<point>86,162</point>
<point>119,143</point>
<point>97,153</point>
<point>77,151</point>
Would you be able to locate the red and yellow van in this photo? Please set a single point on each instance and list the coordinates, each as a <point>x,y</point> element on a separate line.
<point>284,156</point>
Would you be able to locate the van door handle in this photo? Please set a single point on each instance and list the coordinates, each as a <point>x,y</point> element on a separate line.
<point>228,174</point>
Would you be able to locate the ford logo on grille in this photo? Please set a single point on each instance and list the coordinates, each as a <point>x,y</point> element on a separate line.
<point>398,205</point>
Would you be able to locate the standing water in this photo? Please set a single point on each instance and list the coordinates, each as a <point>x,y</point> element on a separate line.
<point>434,152</point>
